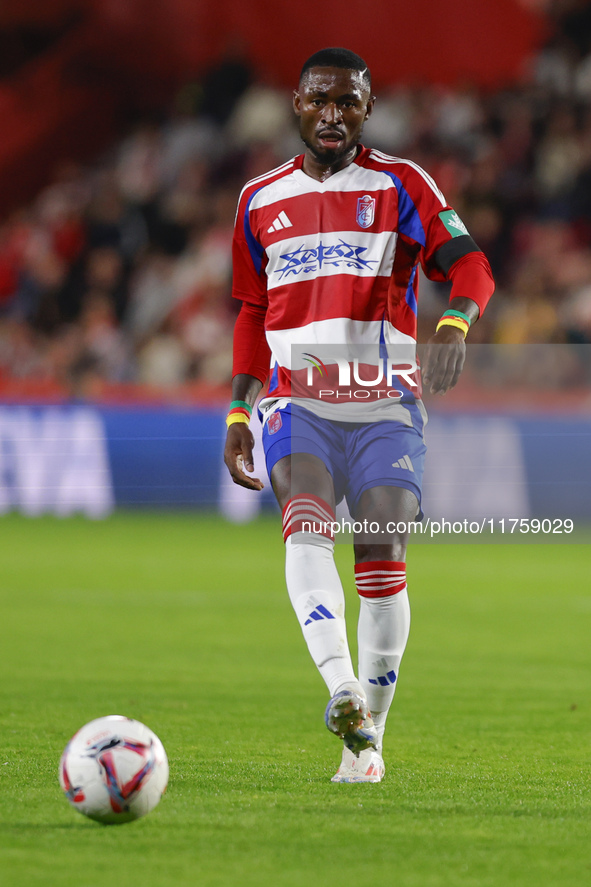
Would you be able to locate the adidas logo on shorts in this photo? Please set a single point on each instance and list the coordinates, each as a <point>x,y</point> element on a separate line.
<point>404,463</point>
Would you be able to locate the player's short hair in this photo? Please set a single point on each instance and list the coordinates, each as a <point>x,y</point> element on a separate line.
<point>337,57</point>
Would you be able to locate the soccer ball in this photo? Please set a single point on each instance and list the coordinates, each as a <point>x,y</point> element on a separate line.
<point>114,770</point>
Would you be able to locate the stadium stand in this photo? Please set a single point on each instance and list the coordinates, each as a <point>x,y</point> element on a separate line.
<point>114,280</point>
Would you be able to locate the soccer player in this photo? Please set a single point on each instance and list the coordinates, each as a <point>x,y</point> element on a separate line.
<point>326,254</point>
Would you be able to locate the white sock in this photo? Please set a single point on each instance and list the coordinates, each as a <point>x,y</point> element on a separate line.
<point>384,624</point>
<point>316,594</point>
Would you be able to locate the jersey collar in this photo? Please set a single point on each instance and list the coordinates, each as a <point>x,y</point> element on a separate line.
<point>359,159</point>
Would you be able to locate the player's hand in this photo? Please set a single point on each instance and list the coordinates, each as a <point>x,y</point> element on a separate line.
<point>444,360</point>
<point>238,456</point>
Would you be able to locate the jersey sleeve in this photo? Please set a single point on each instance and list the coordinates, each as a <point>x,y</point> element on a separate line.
<point>249,281</point>
<point>426,218</point>
<point>448,240</point>
<point>252,354</point>
<point>472,278</point>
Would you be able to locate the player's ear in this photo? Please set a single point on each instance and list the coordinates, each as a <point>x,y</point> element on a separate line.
<point>297,102</point>
<point>370,105</point>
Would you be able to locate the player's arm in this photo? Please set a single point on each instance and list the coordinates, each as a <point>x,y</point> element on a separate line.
<point>472,287</point>
<point>251,363</point>
<point>447,252</point>
<point>251,352</point>
<point>239,439</point>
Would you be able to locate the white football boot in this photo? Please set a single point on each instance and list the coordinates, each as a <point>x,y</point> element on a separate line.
<point>348,716</point>
<point>367,767</point>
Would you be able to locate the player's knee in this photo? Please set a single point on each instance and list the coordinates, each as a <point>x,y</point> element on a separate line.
<point>369,549</point>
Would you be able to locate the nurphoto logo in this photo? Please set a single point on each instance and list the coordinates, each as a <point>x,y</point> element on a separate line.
<point>374,376</point>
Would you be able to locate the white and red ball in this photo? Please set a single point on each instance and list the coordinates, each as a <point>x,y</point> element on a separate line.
<point>114,770</point>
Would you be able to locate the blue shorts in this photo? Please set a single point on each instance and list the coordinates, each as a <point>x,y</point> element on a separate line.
<point>359,456</point>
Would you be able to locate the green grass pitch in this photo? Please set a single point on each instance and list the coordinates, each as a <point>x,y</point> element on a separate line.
<point>183,622</point>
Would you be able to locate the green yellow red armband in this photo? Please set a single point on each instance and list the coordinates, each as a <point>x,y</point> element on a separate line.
<point>455,318</point>
<point>240,411</point>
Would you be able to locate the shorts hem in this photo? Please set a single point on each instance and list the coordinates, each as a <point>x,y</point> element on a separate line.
<point>389,482</point>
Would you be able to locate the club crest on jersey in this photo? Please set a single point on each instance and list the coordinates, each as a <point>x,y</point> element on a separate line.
<point>275,422</point>
<point>366,211</point>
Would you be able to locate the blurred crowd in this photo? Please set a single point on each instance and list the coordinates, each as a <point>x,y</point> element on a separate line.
<point>120,274</point>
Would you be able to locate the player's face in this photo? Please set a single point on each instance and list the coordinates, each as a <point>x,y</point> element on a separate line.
<point>332,104</point>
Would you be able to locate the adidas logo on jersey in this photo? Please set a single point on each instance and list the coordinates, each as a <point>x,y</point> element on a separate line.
<point>282,221</point>
<point>318,614</point>
<point>404,463</point>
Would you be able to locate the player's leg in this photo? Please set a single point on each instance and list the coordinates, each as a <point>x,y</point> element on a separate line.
<point>385,474</point>
<point>384,617</point>
<point>299,447</point>
<point>305,492</point>
<point>316,592</point>
<point>384,610</point>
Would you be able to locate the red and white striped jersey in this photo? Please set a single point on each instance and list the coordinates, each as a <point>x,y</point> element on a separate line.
<point>336,262</point>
